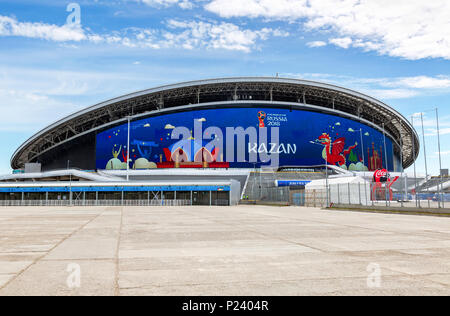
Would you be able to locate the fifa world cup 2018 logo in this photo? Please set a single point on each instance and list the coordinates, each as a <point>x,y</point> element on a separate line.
<point>261,117</point>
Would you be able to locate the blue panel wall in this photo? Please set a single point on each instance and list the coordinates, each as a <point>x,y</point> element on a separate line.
<point>115,189</point>
<point>298,143</point>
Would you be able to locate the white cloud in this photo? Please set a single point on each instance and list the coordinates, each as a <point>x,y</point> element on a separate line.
<point>184,4</point>
<point>385,88</point>
<point>430,124</point>
<point>433,132</point>
<point>177,34</point>
<point>412,29</point>
<point>444,153</point>
<point>424,82</point>
<point>187,5</point>
<point>316,44</point>
<point>391,93</point>
<point>22,110</point>
<point>215,35</point>
<point>12,27</point>
<point>343,42</point>
<point>34,98</point>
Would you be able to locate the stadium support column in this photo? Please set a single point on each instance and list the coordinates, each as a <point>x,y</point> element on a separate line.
<point>210,198</point>
<point>191,199</point>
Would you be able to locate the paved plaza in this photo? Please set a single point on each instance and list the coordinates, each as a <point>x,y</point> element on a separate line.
<point>243,250</point>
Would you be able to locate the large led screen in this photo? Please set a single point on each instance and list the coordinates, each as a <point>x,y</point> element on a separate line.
<point>304,139</point>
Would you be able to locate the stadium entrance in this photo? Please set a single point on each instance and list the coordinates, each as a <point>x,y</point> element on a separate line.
<point>62,194</point>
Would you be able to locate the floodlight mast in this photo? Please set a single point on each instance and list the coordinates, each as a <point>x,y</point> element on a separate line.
<point>128,149</point>
<point>441,187</point>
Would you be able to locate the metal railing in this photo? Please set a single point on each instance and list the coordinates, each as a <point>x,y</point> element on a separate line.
<point>5,203</point>
<point>371,194</point>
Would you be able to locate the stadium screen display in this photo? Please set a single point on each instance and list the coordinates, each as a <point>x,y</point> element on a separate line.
<point>305,139</point>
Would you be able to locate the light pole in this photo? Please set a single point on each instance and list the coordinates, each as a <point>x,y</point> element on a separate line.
<point>128,149</point>
<point>364,161</point>
<point>362,146</point>
<point>425,156</point>
<point>386,161</point>
<point>441,187</point>
<point>415,172</point>
<point>401,165</point>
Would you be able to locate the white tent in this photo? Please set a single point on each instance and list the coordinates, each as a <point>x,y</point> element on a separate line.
<point>342,190</point>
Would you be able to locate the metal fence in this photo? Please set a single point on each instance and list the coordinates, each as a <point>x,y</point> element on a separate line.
<point>95,203</point>
<point>375,194</point>
<point>261,187</point>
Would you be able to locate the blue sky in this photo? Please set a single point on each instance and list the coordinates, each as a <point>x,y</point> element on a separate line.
<point>51,66</point>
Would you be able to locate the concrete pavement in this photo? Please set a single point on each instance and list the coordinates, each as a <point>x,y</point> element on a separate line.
<point>243,250</point>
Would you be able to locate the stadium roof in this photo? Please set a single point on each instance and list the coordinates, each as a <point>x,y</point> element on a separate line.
<point>254,91</point>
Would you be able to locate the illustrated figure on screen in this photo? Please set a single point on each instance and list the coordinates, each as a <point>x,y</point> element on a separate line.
<point>115,163</point>
<point>334,151</point>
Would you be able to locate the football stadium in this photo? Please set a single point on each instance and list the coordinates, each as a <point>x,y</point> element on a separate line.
<point>210,142</point>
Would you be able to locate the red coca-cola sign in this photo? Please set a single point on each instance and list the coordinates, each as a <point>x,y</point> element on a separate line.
<point>381,175</point>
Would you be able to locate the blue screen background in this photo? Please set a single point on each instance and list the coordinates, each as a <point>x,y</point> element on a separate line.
<point>296,127</point>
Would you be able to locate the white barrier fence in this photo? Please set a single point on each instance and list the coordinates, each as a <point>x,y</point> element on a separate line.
<point>368,194</point>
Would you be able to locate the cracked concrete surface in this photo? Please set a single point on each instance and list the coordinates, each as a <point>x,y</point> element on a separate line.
<point>243,250</point>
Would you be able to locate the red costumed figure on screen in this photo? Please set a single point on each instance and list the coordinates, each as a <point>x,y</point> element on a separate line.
<point>335,153</point>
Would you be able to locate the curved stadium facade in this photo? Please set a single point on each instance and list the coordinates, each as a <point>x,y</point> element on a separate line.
<point>316,121</point>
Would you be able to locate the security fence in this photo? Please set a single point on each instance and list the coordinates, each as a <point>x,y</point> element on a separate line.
<point>261,187</point>
<point>392,194</point>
